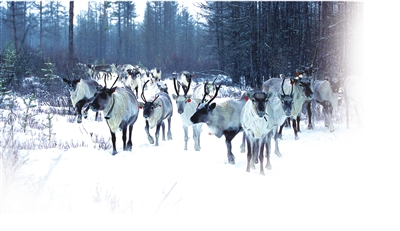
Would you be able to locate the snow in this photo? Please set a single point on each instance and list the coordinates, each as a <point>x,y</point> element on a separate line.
<point>323,181</point>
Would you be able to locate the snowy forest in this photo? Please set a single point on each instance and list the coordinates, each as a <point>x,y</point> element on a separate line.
<point>254,40</point>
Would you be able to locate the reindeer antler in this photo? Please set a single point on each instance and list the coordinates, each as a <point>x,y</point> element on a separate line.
<point>188,87</point>
<point>205,92</point>
<point>142,95</point>
<point>215,95</point>
<point>115,81</point>
<point>176,89</point>
<point>283,81</point>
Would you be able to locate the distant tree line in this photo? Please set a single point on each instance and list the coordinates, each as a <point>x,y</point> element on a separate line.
<point>252,40</point>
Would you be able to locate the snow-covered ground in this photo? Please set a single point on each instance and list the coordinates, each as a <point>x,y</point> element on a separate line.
<point>323,181</point>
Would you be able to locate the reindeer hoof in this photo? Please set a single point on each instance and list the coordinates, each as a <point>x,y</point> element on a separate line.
<point>79,119</point>
<point>128,148</point>
<point>268,166</point>
<point>232,160</point>
<point>114,152</point>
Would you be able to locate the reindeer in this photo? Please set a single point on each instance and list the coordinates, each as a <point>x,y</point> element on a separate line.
<point>183,80</point>
<point>121,111</point>
<point>156,74</point>
<point>324,95</point>
<point>186,107</point>
<point>133,80</point>
<point>222,118</point>
<point>81,90</point>
<point>205,90</point>
<point>256,125</point>
<point>107,69</point>
<point>155,112</point>
<point>300,93</point>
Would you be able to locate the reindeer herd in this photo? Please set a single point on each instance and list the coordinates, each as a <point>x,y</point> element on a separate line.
<point>259,114</point>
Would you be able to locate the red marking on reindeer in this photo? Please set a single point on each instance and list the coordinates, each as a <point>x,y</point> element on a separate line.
<point>189,100</point>
<point>246,98</point>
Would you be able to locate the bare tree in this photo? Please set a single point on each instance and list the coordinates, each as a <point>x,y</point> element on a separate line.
<point>71,31</point>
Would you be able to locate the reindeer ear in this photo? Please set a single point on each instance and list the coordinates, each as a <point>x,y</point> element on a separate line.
<point>247,95</point>
<point>212,106</point>
<point>111,90</point>
<point>141,105</point>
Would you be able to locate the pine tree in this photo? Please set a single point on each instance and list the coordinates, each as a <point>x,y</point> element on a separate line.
<point>28,101</point>
<point>8,70</point>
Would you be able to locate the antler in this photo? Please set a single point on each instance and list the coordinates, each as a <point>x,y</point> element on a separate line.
<point>205,92</point>
<point>216,92</point>
<point>115,81</point>
<point>188,87</point>
<point>176,89</point>
<point>283,91</point>
<point>155,98</point>
<point>142,95</point>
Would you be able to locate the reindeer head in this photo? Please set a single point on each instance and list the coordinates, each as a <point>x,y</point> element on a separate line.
<point>102,98</point>
<point>259,101</point>
<point>286,99</point>
<point>204,108</point>
<point>148,106</point>
<point>181,100</point>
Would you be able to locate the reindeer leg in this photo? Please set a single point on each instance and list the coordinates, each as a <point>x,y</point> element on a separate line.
<point>196,136</point>
<point>296,137</point>
<point>276,139</point>
<point>79,106</point>
<point>186,137</point>
<point>255,149</point>
<point>158,132</point>
<point>267,155</point>
<point>229,135</point>
<point>261,155</point>
<point>124,129</point>
<point>129,144</point>
<point>113,139</point>
<point>298,123</point>
<point>163,130</point>
<point>249,156</point>
<point>279,134</point>
<point>242,146</point>
<point>309,113</point>
<point>169,134</point>
<point>149,137</point>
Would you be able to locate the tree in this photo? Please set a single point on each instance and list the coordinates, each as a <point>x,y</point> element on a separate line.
<point>71,31</point>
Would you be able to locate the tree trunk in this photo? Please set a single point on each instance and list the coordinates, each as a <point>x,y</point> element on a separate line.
<point>14,26</point>
<point>41,26</point>
<point>71,31</point>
